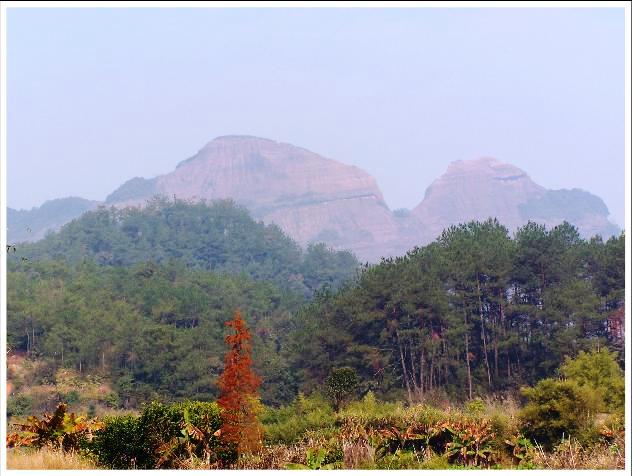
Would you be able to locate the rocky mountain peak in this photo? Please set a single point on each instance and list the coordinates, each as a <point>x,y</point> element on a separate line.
<point>310,197</point>
<point>476,190</point>
<point>316,199</point>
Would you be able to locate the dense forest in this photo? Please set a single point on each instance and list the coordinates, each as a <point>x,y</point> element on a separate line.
<point>125,307</point>
<point>133,296</point>
<point>473,313</point>
<point>142,295</point>
<point>219,237</point>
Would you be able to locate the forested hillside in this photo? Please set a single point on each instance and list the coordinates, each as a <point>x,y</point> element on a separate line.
<point>219,237</point>
<point>473,313</point>
<point>127,307</point>
<point>155,331</point>
<point>141,296</point>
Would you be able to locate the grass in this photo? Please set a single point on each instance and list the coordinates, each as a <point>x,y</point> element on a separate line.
<point>570,454</point>
<point>45,458</point>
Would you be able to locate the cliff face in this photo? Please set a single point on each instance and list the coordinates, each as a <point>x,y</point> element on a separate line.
<point>314,199</point>
<point>475,190</point>
<point>310,197</point>
<point>483,188</point>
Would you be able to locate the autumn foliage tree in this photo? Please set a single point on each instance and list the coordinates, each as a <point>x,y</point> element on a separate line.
<point>239,386</point>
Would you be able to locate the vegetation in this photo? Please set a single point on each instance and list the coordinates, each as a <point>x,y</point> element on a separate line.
<point>473,313</point>
<point>162,436</point>
<point>340,385</point>
<point>593,383</point>
<point>46,458</point>
<point>364,434</point>
<point>219,237</point>
<point>153,331</point>
<point>239,396</point>
<point>61,430</point>
<point>479,350</point>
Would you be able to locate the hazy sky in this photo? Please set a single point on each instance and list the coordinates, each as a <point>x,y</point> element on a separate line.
<point>98,96</point>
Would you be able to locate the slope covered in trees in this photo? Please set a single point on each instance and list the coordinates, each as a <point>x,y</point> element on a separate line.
<point>155,331</point>
<point>477,313</point>
<point>473,313</point>
<point>219,237</point>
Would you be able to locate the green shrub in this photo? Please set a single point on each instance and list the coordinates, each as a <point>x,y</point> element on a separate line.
<point>112,400</point>
<point>163,425</point>
<point>369,410</point>
<point>422,415</point>
<point>436,462</point>
<point>475,407</point>
<point>557,408</point>
<point>599,371</point>
<point>289,424</point>
<point>317,459</point>
<point>19,405</point>
<point>71,397</point>
<point>400,460</point>
<point>161,436</point>
<point>340,385</point>
<point>121,444</point>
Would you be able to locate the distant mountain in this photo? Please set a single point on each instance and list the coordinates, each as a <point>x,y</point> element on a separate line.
<point>315,199</point>
<point>311,198</point>
<point>483,188</point>
<point>33,224</point>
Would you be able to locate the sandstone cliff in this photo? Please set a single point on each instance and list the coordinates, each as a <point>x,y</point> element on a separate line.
<point>485,187</point>
<point>310,197</point>
<point>315,199</point>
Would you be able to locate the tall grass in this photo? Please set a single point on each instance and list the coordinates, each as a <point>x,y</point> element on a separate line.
<point>44,458</point>
<point>570,454</point>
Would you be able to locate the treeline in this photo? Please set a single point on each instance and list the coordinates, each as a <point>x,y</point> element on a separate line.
<point>472,313</point>
<point>140,296</point>
<point>218,236</point>
<point>157,331</point>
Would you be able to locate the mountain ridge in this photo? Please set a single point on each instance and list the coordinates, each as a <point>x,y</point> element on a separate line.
<point>314,198</point>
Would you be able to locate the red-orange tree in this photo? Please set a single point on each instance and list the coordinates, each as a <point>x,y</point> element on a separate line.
<point>239,386</point>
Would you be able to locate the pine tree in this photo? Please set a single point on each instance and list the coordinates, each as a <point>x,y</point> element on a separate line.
<point>239,396</point>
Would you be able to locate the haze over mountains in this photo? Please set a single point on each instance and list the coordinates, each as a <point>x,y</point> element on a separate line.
<point>316,199</point>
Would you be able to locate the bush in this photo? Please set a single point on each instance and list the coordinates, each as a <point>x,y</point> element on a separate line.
<point>369,410</point>
<point>71,397</point>
<point>163,436</point>
<point>400,460</point>
<point>475,408</point>
<point>19,405</point>
<point>112,400</point>
<point>341,384</point>
<point>288,424</point>
<point>599,371</point>
<point>121,444</point>
<point>557,408</point>
<point>163,426</point>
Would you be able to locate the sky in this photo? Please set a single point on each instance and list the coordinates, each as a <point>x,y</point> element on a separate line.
<point>98,96</point>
